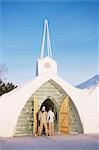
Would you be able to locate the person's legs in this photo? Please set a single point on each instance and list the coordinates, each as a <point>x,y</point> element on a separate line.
<point>52,128</point>
<point>40,128</point>
<point>45,126</point>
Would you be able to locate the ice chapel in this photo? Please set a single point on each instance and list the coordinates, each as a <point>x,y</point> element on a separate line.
<point>75,111</point>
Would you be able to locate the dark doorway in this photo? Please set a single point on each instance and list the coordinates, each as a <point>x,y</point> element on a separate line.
<point>49,103</point>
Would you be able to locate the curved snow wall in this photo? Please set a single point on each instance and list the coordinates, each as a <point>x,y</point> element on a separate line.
<point>53,91</point>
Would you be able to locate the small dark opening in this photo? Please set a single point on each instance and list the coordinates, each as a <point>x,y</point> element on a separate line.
<point>48,103</point>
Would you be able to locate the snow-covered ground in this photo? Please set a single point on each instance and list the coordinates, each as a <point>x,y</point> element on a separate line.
<point>56,142</point>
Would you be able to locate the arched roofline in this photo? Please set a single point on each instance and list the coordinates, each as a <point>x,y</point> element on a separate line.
<point>15,100</point>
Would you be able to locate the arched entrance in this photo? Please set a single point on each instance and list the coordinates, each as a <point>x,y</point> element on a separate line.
<point>50,103</point>
<point>52,95</point>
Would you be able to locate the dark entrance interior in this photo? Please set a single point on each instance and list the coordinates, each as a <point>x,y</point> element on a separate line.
<point>49,103</point>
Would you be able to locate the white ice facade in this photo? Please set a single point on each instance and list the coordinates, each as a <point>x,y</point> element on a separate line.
<point>76,110</point>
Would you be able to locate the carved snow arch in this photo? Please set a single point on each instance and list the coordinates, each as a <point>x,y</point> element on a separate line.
<point>56,94</point>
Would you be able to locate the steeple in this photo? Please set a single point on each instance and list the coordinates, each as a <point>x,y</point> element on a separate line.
<point>46,63</point>
<point>46,36</point>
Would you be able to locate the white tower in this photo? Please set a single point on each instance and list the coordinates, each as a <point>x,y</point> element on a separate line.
<point>46,63</point>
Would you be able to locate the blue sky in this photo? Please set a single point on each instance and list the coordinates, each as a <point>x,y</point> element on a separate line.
<point>73,30</point>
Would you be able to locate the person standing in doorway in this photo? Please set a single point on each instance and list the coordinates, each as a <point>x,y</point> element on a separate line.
<point>50,120</point>
<point>43,121</point>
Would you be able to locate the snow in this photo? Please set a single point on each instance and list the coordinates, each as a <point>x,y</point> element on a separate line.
<point>12,103</point>
<point>89,83</point>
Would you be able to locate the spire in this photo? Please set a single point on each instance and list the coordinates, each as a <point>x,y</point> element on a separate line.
<point>46,35</point>
<point>46,64</point>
